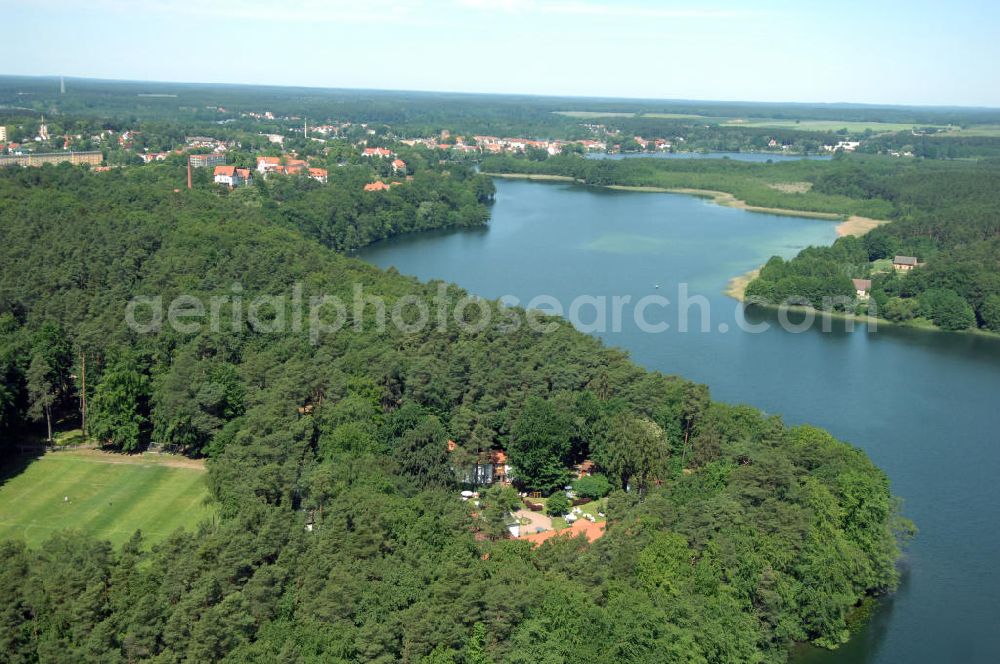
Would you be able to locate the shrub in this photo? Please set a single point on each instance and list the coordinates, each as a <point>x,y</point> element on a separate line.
<point>592,486</point>
<point>557,504</point>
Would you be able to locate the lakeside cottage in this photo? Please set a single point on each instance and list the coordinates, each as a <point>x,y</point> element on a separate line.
<point>904,263</point>
<point>862,287</point>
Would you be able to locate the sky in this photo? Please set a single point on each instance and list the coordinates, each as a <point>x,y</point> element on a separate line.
<point>879,52</point>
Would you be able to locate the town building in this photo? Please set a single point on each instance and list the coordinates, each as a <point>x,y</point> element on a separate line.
<point>862,287</point>
<point>398,165</point>
<point>846,146</point>
<point>318,174</point>
<point>93,158</point>
<point>268,164</point>
<point>3,134</point>
<point>148,157</point>
<point>376,186</point>
<point>904,263</point>
<point>377,152</point>
<point>206,160</point>
<point>201,141</point>
<point>231,176</point>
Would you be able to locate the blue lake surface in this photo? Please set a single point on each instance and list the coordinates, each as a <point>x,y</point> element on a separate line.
<point>925,406</point>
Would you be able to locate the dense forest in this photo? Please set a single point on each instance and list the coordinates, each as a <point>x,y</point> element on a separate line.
<point>944,213</point>
<point>730,535</point>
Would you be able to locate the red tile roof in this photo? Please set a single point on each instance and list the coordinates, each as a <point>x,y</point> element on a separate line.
<point>225,170</point>
<point>592,531</point>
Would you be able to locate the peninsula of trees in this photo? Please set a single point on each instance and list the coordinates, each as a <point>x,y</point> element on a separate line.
<point>730,535</point>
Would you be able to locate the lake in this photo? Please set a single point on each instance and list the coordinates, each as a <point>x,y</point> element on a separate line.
<point>758,157</point>
<point>925,406</point>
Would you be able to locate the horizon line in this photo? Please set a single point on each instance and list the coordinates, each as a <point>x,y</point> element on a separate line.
<point>597,97</point>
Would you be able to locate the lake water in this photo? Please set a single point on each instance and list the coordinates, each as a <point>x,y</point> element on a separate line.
<point>925,406</point>
<point>759,157</point>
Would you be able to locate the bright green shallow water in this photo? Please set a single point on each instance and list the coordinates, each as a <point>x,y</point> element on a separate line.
<point>925,406</point>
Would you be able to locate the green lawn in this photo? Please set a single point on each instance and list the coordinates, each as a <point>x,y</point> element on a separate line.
<point>592,508</point>
<point>110,496</point>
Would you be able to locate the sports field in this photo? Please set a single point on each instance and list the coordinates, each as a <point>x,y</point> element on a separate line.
<point>106,495</point>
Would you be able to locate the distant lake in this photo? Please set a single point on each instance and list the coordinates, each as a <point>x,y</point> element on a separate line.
<point>762,157</point>
<point>925,406</point>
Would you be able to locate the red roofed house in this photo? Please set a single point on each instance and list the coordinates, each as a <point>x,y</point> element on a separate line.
<point>376,186</point>
<point>498,460</point>
<point>377,152</point>
<point>398,165</point>
<point>592,531</point>
<point>318,174</point>
<point>295,166</point>
<point>231,176</point>
<point>268,164</point>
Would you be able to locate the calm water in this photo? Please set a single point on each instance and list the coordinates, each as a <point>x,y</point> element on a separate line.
<point>925,406</point>
<point>736,156</point>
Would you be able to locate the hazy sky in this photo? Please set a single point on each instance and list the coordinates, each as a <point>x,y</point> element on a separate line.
<point>891,52</point>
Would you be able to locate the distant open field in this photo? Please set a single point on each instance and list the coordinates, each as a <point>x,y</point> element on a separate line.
<point>852,126</point>
<point>589,115</point>
<point>677,116</point>
<point>823,125</point>
<point>110,496</point>
<point>990,130</point>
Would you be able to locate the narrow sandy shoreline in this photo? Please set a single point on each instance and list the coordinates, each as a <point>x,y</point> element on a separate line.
<point>737,286</point>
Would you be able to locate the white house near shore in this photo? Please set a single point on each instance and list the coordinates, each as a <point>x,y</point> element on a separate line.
<point>862,287</point>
